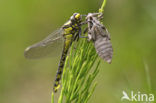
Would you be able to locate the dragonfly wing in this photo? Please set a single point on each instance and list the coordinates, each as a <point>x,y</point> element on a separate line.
<point>46,47</point>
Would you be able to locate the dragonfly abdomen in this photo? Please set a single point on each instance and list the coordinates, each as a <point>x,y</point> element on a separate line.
<point>67,43</point>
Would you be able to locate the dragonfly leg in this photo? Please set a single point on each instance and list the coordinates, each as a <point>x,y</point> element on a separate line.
<point>76,36</point>
<point>85,31</point>
<point>83,23</point>
<point>80,34</point>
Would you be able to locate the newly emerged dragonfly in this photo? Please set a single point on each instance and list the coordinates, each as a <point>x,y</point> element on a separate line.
<point>100,36</point>
<point>70,31</point>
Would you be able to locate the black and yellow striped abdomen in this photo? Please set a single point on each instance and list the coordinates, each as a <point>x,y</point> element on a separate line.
<point>67,43</point>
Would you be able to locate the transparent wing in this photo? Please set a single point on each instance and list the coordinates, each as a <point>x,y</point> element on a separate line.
<point>46,47</point>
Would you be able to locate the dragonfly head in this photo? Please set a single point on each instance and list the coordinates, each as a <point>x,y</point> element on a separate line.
<point>76,17</point>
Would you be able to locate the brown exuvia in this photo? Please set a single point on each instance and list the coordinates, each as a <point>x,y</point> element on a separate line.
<point>100,36</point>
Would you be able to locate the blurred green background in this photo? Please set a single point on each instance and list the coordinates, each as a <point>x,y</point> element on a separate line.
<point>132,24</point>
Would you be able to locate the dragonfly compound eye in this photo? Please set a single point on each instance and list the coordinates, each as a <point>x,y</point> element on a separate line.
<point>76,16</point>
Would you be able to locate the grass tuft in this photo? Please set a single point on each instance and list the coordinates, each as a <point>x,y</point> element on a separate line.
<point>78,77</point>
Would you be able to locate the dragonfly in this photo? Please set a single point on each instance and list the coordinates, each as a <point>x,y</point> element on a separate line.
<point>98,33</point>
<point>70,32</point>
